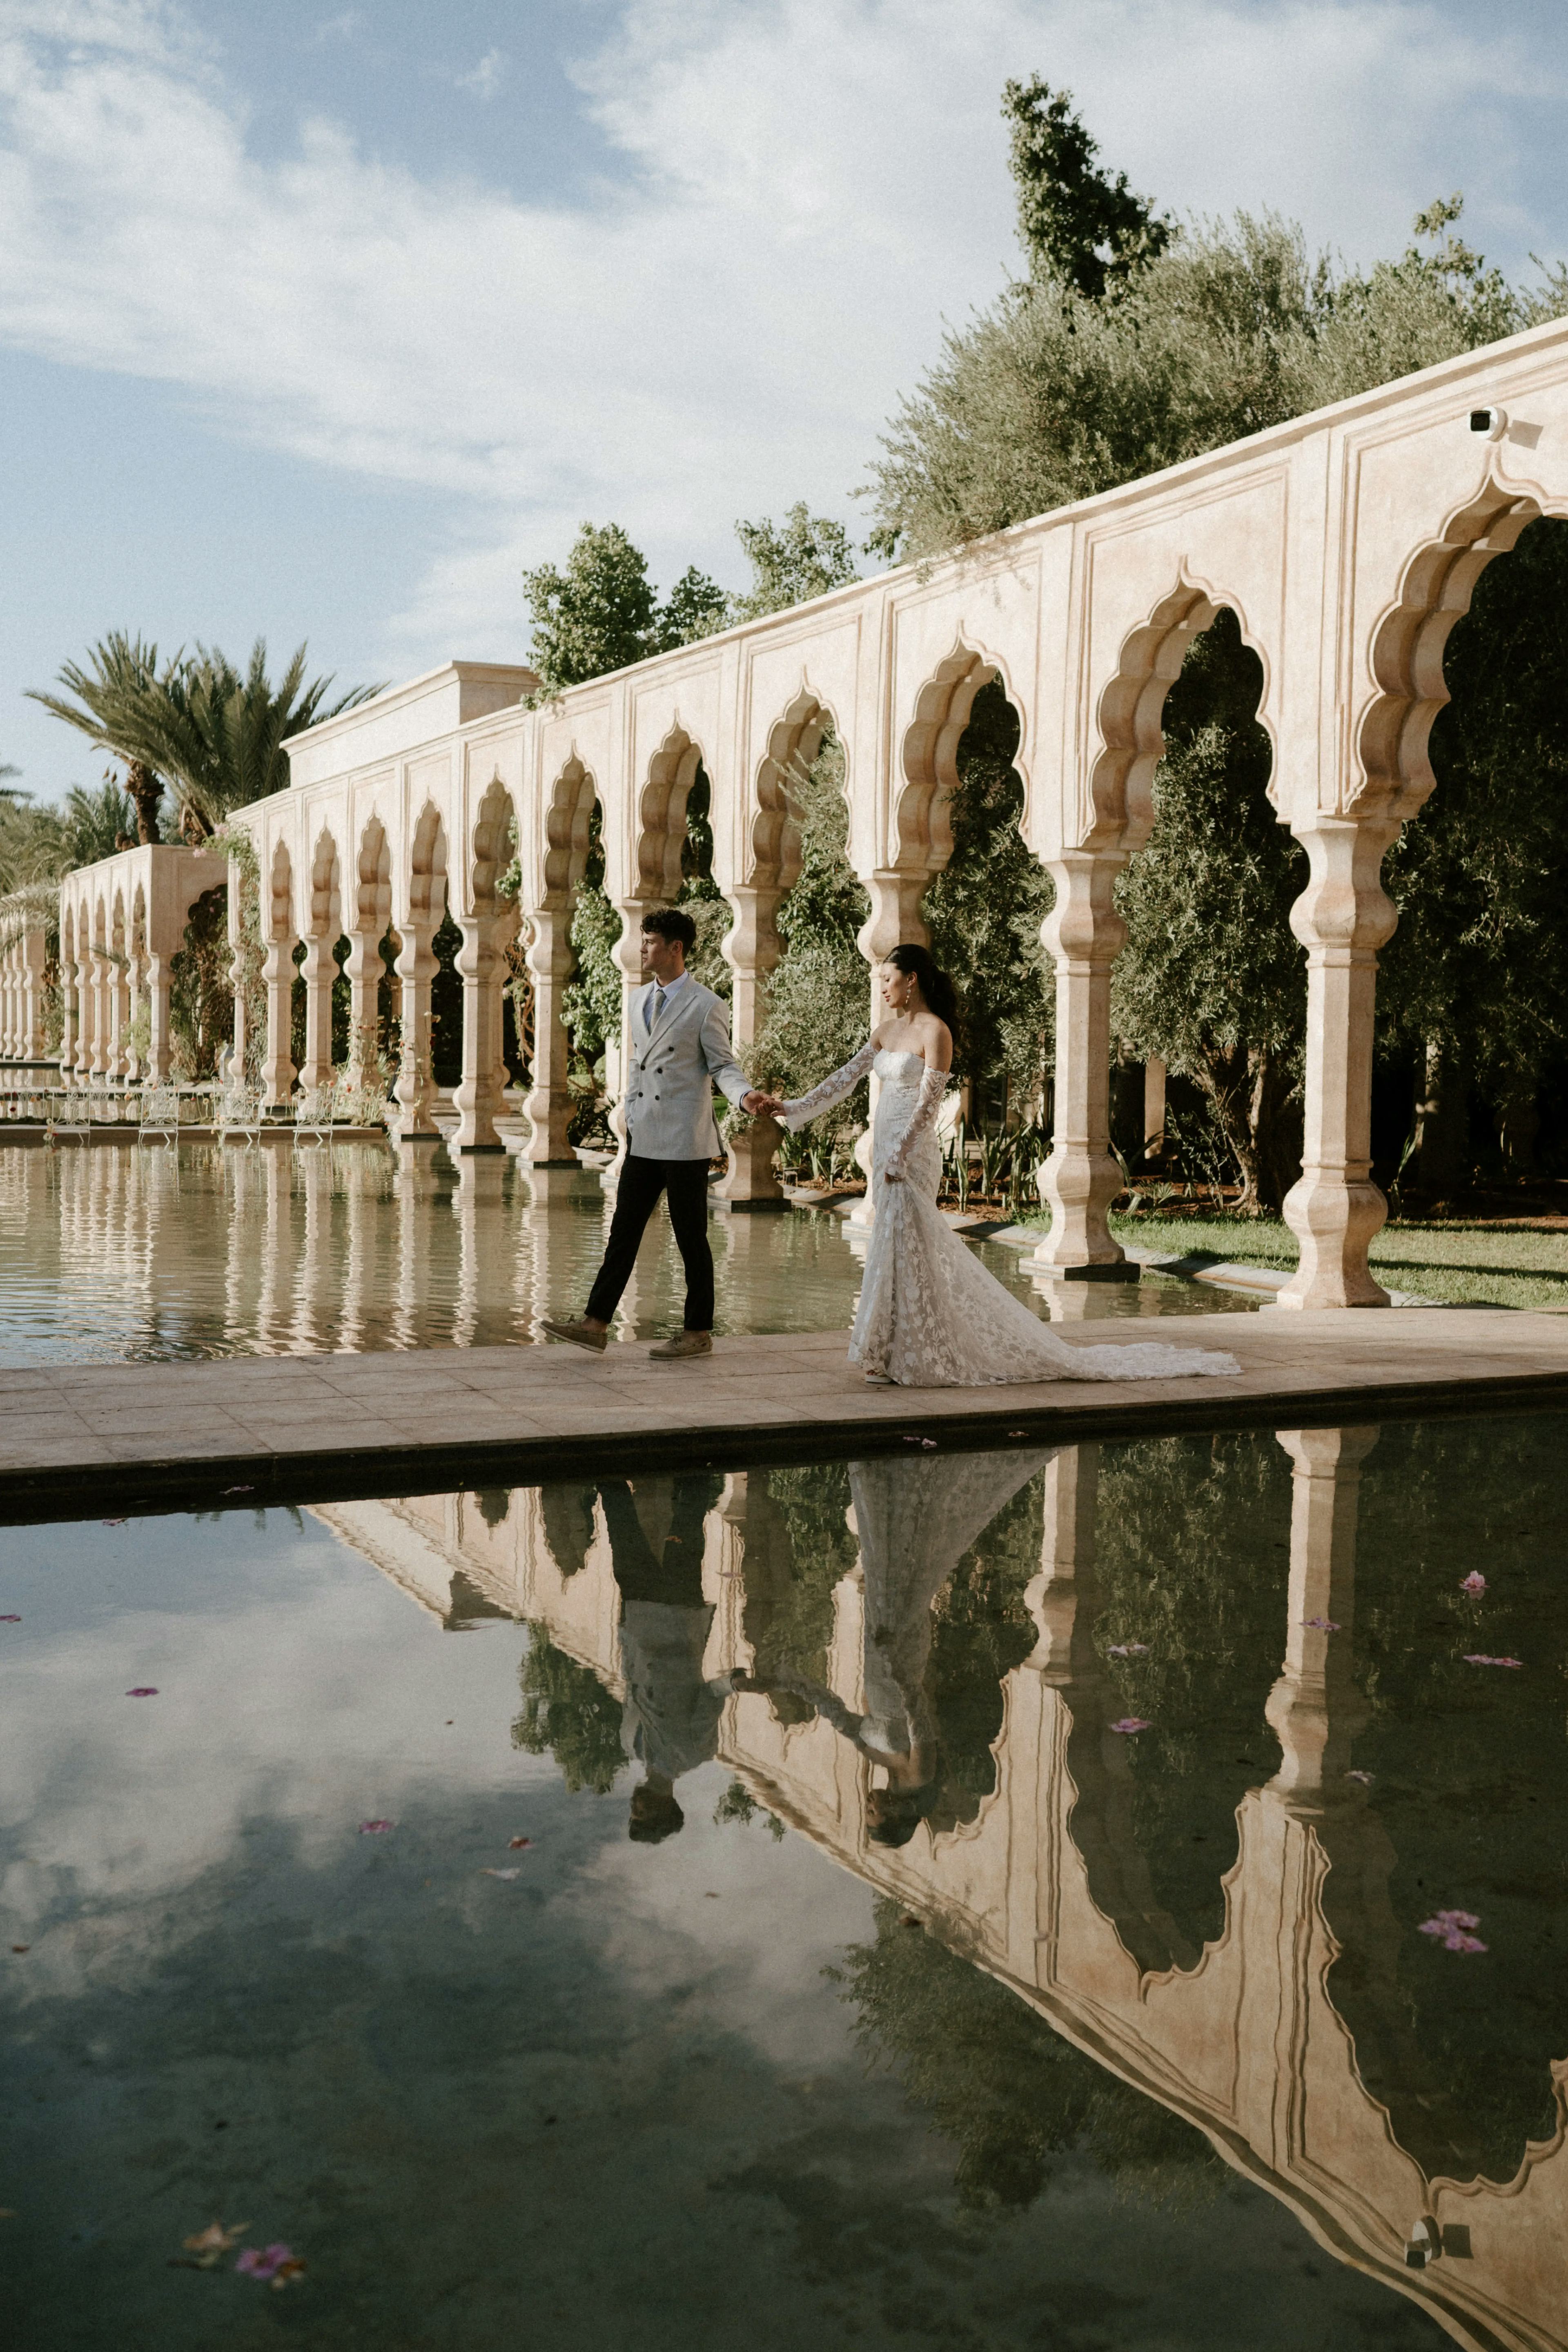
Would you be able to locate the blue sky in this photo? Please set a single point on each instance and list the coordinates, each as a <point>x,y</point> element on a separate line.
<point>322,322</point>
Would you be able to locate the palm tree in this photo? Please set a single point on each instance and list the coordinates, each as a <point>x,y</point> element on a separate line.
<point>119,696</point>
<point>217,736</point>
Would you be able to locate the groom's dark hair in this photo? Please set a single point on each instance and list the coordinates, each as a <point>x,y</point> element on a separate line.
<point>671,923</point>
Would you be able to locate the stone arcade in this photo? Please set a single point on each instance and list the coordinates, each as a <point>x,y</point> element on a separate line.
<point>1347,543</point>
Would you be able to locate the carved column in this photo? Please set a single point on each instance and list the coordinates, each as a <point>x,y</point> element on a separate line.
<point>236,971</point>
<point>751,949</point>
<point>321,970</point>
<point>70,1010</point>
<point>894,921</point>
<point>416,1088</point>
<point>1341,918</point>
<point>278,1060</point>
<point>33,1043</point>
<point>1084,935</point>
<point>117,983</point>
<point>99,1067</point>
<point>1315,1707</point>
<point>480,1090</point>
<point>552,960</point>
<point>158,1018</point>
<point>364,966</point>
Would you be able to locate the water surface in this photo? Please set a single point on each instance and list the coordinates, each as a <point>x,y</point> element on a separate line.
<point>859,1983</point>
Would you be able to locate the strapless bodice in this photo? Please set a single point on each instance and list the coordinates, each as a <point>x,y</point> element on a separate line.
<point>900,1069</point>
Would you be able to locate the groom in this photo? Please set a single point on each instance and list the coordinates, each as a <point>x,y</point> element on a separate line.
<point>679,1046</point>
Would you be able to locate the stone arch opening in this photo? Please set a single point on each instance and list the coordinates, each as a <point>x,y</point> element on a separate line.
<point>1208,994</point>
<point>372,984</point>
<point>565,998</point>
<point>799,908</point>
<point>1470,1074</point>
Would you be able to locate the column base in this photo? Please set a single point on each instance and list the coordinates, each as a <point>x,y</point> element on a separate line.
<point>476,1150</point>
<point>721,1199</point>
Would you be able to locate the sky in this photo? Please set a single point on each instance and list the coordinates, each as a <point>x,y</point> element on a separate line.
<point>324,323</point>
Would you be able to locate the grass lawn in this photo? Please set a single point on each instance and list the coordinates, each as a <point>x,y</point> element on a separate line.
<point>1489,1265</point>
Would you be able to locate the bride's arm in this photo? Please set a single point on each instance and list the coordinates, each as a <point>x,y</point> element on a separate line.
<point>805,1107</point>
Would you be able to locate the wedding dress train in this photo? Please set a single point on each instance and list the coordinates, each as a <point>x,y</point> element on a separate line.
<point>930,1316</point>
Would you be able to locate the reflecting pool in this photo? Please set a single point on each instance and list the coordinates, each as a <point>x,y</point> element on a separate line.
<point>121,1251</point>
<point>1106,1898</point>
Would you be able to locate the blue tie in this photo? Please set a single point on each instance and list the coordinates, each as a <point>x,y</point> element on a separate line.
<point>655,1008</point>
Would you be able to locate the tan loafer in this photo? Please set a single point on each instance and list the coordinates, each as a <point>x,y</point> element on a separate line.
<point>581,1334</point>
<point>685,1343</point>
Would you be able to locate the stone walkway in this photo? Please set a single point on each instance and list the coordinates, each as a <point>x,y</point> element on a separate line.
<point>79,1440</point>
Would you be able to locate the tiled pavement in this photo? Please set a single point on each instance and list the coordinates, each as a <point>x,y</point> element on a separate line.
<point>76,1438</point>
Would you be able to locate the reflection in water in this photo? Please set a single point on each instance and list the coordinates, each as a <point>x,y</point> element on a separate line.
<point>119,1252</point>
<point>1222,1910</point>
<point>1182,1965</point>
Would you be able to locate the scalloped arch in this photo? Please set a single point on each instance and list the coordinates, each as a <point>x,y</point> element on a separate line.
<point>1406,648</point>
<point>1117,801</point>
<point>773,843</point>
<point>326,873</point>
<point>661,818</point>
<point>928,756</point>
<point>493,819</point>
<point>427,869</point>
<point>568,818</point>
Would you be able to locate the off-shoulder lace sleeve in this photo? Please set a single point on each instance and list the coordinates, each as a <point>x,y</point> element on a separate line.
<point>933,1086</point>
<point>833,1089</point>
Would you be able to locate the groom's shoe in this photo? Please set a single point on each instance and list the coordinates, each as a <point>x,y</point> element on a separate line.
<point>685,1343</point>
<point>581,1334</point>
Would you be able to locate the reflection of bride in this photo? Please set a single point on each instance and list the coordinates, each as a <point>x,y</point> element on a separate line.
<point>931,1315</point>
<point>914,1520</point>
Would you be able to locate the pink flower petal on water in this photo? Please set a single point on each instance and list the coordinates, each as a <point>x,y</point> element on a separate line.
<point>143,1690</point>
<point>1130,1723</point>
<point>515,1842</point>
<point>1450,1928</point>
<point>376,1829</point>
<point>262,2261</point>
<point>1479,1658</point>
<point>1321,1624</point>
<point>1475,1583</point>
<point>1127,1649</point>
<point>112,1523</point>
<point>508,1874</point>
<point>10,1621</point>
<point>239,1490</point>
<point>1364,1778</point>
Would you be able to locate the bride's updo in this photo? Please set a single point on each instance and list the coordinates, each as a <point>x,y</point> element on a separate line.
<point>940,996</point>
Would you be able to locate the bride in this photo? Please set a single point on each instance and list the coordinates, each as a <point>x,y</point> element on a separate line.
<point>930,1316</point>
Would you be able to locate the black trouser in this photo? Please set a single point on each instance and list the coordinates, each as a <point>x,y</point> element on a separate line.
<point>637,1197</point>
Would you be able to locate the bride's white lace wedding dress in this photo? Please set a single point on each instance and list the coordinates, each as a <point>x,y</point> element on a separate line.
<point>930,1316</point>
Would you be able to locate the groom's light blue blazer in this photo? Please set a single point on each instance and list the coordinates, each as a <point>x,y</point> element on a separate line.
<point>670,1075</point>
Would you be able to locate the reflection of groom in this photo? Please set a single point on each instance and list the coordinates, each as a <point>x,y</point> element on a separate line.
<point>679,1045</point>
<point>672,1716</point>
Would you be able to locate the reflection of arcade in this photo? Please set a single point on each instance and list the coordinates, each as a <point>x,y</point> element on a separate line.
<point>1044,1885</point>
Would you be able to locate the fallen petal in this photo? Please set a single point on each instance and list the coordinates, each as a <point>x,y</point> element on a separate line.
<point>1474,1582</point>
<point>1364,1778</point>
<point>1321,1624</point>
<point>1457,1943</point>
<point>112,1523</point>
<point>1479,1658</point>
<point>10,1621</point>
<point>515,1842</point>
<point>1127,1649</point>
<point>143,1690</point>
<point>376,1829</point>
<point>239,1490</point>
<point>487,1873</point>
<point>1130,1723</point>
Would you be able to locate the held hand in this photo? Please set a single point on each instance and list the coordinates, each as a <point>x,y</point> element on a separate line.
<point>757,1103</point>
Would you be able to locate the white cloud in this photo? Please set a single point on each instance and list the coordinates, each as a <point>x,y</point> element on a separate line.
<point>813,185</point>
<point>488,75</point>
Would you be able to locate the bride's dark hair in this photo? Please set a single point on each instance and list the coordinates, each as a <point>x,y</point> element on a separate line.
<point>940,996</point>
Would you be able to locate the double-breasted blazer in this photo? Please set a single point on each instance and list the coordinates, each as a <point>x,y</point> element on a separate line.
<point>671,1075</point>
